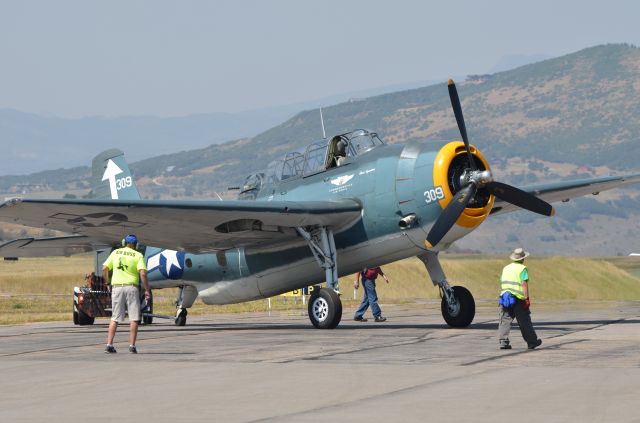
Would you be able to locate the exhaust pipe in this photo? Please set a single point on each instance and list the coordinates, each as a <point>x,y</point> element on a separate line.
<point>407,221</point>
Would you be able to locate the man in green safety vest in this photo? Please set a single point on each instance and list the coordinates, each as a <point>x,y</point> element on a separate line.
<point>128,269</point>
<point>514,301</point>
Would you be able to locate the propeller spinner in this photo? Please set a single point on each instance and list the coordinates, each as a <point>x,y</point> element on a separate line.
<point>474,179</point>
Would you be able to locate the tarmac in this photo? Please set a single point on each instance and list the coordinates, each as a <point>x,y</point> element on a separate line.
<point>277,368</point>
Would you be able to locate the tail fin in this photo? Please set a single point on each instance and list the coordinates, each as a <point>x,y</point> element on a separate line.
<point>111,177</point>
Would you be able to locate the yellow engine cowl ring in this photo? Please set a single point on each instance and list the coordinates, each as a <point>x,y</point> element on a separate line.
<point>471,217</point>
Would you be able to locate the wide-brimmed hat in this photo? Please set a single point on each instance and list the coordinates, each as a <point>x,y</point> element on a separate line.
<point>519,254</point>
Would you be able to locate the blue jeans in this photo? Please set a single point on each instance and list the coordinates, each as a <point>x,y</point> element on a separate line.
<point>370,299</point>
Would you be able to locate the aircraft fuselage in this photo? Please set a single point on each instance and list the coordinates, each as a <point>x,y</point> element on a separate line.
<point>390,181</point>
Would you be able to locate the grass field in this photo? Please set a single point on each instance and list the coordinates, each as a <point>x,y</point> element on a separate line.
<point>41,289</point>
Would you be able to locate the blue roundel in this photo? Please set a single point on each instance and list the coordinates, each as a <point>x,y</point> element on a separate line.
<point>172,264</point>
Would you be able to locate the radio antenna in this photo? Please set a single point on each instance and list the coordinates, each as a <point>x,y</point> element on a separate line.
<point>324,134</point>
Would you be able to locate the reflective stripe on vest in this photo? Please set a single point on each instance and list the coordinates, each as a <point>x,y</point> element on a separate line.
<point>510,280</point>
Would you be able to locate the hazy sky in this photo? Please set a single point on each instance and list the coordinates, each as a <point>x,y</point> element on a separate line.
<point>79,58</point>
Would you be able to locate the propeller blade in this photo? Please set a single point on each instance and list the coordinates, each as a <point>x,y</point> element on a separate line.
<point>457,110</point>
<point>520,198</point>
<point>450,214</point>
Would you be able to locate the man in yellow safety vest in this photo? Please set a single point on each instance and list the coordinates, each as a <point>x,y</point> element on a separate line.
<point>514,301</point>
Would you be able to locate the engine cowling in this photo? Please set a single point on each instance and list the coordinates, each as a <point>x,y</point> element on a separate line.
<point>448,172</point>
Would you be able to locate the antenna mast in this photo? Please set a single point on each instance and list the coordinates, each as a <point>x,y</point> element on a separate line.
<point>324,134</point>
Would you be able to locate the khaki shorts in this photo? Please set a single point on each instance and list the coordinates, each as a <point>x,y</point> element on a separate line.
<point>123,298</point>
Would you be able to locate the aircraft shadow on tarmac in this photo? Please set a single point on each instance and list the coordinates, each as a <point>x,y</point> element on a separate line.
<point>244,326</point>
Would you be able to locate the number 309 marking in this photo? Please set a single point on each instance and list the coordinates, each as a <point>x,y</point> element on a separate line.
<point>434,194</point>
<point>123,183</point>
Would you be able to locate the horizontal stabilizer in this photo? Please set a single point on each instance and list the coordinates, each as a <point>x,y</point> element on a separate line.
<point>48,247</point>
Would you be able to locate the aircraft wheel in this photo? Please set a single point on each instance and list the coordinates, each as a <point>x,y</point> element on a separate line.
<point>84,319</point>
<point>147,320</point>
<point>325,309</point>
<point>181,318</point>
<point>460,314</point>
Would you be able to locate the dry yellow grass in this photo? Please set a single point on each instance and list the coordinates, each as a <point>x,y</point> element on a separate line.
<point>552,278</point>
<point>41,289</point>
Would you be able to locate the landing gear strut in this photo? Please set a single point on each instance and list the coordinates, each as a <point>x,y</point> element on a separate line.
<point>325,307</point>
<point>457,306</point>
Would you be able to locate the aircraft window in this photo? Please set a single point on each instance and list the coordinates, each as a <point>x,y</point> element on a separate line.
<point>293,163</point>
<point>363,141</point>
<point>274,170</point>
<point>315,157</point>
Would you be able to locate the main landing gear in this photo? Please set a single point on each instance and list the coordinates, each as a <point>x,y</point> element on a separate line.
<point>457,306</point>
<point>325,307</point>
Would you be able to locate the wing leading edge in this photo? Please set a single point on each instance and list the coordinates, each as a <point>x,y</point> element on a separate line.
<point>194,226</point>
<point>564,191</point>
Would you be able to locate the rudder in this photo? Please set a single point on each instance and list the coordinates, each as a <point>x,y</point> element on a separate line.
<point>111,177</point>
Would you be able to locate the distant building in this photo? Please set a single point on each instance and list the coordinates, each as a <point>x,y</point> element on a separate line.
<point>479,78</point>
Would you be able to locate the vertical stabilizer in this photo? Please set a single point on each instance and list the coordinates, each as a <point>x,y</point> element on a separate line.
<point>111,177</point>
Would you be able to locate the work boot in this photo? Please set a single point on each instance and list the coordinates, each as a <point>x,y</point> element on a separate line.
<point>110,349</point>
<point>535,344</point>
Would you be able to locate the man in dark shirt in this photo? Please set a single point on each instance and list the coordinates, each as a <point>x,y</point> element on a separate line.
<point>370,298</point>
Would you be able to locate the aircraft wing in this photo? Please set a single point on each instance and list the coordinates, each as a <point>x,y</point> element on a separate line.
<point>194,226</point>
<point>564,191</point>
<point>53,246</point>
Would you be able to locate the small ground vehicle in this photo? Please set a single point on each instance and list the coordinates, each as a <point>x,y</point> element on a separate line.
<point>94,300</point>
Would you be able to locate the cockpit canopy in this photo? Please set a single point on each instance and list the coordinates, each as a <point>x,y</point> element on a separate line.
<point>314,158</point>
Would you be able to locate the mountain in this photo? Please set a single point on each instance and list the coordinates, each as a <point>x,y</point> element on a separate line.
<point>511,61</point>
<point>579,109</point>
<point>32,142</point>
<point>571,116</point>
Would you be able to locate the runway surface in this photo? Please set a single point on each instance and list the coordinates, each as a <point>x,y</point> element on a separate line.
<point>255,367</point>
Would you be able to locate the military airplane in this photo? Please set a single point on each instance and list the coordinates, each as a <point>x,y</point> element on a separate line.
<point>324,211</point>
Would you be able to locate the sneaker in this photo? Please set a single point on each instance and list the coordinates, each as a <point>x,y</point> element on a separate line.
<point>337,291</point>
<point>110,349</point>
<point>535,344</point>
<point>380,319</point>
<point>359,319</point>
<point>132,349</point>
<point>505,347</point>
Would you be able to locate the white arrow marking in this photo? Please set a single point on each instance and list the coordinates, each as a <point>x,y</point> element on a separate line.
<point>110,173</point>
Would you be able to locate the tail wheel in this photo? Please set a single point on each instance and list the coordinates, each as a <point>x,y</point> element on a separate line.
<point>325,309</point>
<point>181,318</point>
<point>460,314</point>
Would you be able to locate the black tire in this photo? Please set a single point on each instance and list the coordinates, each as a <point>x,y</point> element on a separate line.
<point>181,319</point>
<point>463,314</point>
<point>84,319</point>
<point>325,309</point>
<point>147,320</point>
<point>75,317</point>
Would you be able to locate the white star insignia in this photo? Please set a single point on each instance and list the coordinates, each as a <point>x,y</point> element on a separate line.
<point>172,259</point>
